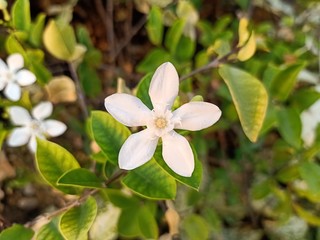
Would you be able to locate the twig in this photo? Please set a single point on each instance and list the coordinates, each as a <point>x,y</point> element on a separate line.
<point>126,41</point>
<point>110,29</point>
<point>80,94</point>
<point>213,64</point>
<point>77,202</point>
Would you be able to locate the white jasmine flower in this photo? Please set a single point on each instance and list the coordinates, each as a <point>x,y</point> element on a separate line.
<point>160,122</point>
<point>12,77</point>
<point>34,125</point>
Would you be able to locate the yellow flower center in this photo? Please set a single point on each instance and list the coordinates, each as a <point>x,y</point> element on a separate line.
<point>160,122</point>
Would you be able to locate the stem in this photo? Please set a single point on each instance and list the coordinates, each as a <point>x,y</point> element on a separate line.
<point>213,64</point>
<point>82,103</point>
<point>77,202</point>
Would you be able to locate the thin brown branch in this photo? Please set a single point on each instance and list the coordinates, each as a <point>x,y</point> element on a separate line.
<point>82,103</point>
<point>76,202</point>
<point>213,64</point>
<point>125,42</point>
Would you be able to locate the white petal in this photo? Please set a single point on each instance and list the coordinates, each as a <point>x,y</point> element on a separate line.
<point>42,110</point>
<point>2,84</point>
<point>19,116</point>
<point>15,62</point>
<point>33,142</point>
<point>54,128</point>
<point>127,109</point>
<point>164,86</point>
<point>137,150</point>
<point>25,77</point>
<point>18,137</point>
<point>3,66</point>
<point>178,154</point>
<point>195,116</point>
<point>12,91</point>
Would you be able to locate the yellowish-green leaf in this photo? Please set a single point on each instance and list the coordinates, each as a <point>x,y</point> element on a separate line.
<point>75,223</point>
<point>249,97</point>
<point>59,40</point>
<point>247,41</point>
<point>306,215</point>
<point>20,13</point>
<point>35,36</point>
<point>16,231</point>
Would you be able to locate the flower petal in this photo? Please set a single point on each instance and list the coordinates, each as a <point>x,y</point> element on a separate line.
<point>3,66</point>
<point>2,84</point>
<point>177,153</point>
<point>15,62</point>
<point>19,116</point>
<point>127,109</point>
<point>25,77</point>
<point>137,150</point>
<point>33,142</point>
<point>54,128</point>
<point>164,86</point>
<point>12,91</point>
<point>42,110</point>
<point>18,137</point>
<point>195,116</point>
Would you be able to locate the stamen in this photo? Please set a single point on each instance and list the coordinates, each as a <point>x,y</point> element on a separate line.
<point>160,122</point>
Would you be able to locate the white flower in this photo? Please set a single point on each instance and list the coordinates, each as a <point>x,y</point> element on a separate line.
<point>34,125</point>
<point>140,147</point>
<point>12,77</point>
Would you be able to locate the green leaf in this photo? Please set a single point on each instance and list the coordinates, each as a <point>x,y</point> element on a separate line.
<point>121,200</point>
<point>249,97</point>
<point>143,90</point>
<point>155,25</point>
<point>153,59</point>
<point>109,134</point>
<point>76,222</point>
<point>35,59</point>
<point>129,226</point>
<point>173,36</point>
<point>50,231</point>
<point>147,223</point>
<point>80,177</point>
<point>53,161</point>
<point>14,46</point>
<point>195,227</point>
<point>90,81</point>
<point>20,13</point>
<point>188,45</point>
<point>306,215</point>
<point>193,181</point>
<point>59,40</point>
<point>283,83</point>
<point>310,172</point>
<point>84,37</point>
<point>290,126</point>
<point>16,231</point>
<point>151,181</point>
<point>36,30</point>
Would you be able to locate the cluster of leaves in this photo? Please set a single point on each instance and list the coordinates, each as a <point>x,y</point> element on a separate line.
<point>272,179</point>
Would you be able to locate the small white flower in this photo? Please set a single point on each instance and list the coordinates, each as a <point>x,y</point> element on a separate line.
<point>12,77</point>
<point>34,125</point>
<point>140,147</point>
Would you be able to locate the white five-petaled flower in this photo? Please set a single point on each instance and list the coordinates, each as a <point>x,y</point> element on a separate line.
<point>32,126</point>
<point>161,122</point>
<point>12,77</point>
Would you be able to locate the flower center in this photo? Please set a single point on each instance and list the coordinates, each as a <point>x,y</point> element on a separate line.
<point>37,127</point>
<point>160,122</point>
